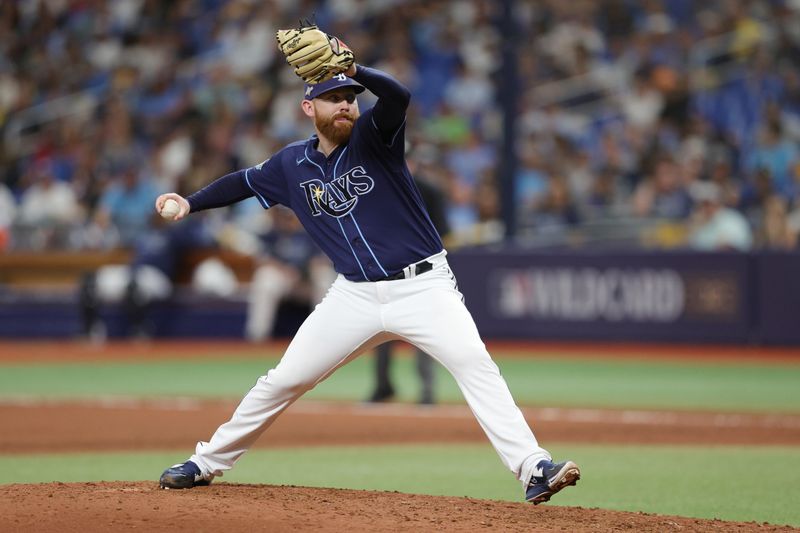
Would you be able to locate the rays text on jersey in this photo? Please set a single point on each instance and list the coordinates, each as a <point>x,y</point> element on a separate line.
<point>339,196</point>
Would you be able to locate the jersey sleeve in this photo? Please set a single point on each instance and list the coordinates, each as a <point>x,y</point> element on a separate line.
<point>266,182</point>
<point>223,191</point>
<point>394,143</point>
<point>388,117</point>
<point>260,181</point>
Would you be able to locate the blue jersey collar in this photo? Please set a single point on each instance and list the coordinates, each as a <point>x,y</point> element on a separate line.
<point>312,153</point>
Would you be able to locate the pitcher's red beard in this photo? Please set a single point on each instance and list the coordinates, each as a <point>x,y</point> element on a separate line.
<point>336,132</point>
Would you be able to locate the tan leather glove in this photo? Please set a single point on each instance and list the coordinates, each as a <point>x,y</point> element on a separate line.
<point>315,55</point>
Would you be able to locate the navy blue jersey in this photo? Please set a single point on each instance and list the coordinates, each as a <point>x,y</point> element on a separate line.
<point>360,204</point>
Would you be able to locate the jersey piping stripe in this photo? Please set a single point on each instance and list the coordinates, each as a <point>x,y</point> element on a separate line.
<point>261,199</point>
<point>339,220</point>
<point>396,133</point>
<point>341,227</point>
<point>368,246</point>
<point>363,239</point>
<point>400,127</point>
<point>305,153</point>
<point>336,165</point>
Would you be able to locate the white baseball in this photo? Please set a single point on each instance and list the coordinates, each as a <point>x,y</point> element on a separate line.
<point>170,208</point>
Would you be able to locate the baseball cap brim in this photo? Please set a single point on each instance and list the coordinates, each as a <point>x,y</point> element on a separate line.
<point>337,82</point>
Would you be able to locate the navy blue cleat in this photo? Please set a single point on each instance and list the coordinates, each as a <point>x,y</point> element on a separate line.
<point>554,478</point>
<point>183,476</point>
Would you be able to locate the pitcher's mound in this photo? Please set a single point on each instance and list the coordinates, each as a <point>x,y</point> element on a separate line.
<point>142,506</point>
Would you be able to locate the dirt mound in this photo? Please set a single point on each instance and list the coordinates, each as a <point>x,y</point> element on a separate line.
<point>105,506</point>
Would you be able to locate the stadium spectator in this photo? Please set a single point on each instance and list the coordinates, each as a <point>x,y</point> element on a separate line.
<point>714,226</point>
<point>126,205</point>
<point>147,279</point>
<point>756,193</point>
<point>793,229</point>
<point>775,232</point>
<point>8,210</point>
<point>469,92</point>
<point>663,194</point>
<point>720,172</point>
<point>642,104</point>
<point>776,154</point>
<point>530,183</point>
<point>48,209</point>
<point>291,266</point>
<point>607,196</point>
<point>555,212</point>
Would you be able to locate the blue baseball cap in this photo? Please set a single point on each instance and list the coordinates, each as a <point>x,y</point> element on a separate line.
<point>336,82</point>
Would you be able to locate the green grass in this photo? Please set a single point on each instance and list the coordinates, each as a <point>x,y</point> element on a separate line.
<point>729,483</point>
<point>550,381</point>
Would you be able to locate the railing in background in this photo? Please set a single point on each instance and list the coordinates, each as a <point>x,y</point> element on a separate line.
<point>82,103</point>
<point>27,120</point>
<point>716,60</point>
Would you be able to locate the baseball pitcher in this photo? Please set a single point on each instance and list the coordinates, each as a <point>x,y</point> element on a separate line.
<point>351,189</point>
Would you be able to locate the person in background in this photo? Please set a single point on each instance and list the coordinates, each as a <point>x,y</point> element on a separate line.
<point>291,267</point>
<point>149,277</point>
<point>663,193</point>
<point>48,209</point>
<point>775,231</point>
<point>775,153</point>
<point>8,210</point>
<point>125,205</point>
<point>715,227</point>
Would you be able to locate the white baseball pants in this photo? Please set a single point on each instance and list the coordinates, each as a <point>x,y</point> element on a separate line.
<point>426,311</point>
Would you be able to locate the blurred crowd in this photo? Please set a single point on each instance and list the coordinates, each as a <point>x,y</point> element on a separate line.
<point>646,123</point>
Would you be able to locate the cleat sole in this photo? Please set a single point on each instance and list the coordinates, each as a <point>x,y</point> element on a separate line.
<point>540,499</point>
<point>567,477</point>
